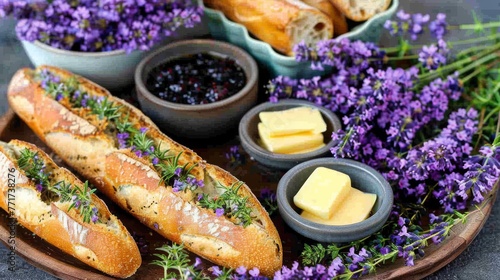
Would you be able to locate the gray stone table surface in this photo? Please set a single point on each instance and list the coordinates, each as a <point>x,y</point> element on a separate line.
<point>481,260</point>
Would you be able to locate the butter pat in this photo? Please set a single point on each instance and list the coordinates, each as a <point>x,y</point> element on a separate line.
<point>290,143</point>
<point>354,209</point>
<point>292,121</point>
<point>307,150</point>
<point>323,192</point>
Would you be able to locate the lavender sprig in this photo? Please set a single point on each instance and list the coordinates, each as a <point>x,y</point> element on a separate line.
<point>80,197</point>
<point>176,265</point>
<point>268,199</point>
<point>229,203</point>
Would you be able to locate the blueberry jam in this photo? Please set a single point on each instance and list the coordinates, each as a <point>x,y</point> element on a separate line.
<point>196,79</point>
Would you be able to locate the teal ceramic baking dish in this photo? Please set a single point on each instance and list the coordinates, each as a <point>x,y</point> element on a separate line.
<point>278,64</point>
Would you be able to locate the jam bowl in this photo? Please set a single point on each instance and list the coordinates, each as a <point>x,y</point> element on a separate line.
<point>363,178</point>
<point>197,89</point>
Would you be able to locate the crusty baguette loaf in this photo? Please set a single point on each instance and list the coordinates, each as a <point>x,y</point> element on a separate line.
<point>90,146</point>
<point>338,19</point>
<point>104,244</point>
<point>281,23</point>
<point>360,10</point>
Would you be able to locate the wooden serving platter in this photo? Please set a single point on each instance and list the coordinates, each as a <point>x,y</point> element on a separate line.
<point>49,258</point>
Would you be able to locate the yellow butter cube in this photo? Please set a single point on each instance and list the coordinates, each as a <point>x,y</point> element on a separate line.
<point>354,209</point>
<point>292,121</point>
<point>290,143</point>
<point>307,150</point>
<point>323,192</point>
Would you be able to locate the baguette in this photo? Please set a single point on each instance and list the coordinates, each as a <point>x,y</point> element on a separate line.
<point>360,10</point>
<point>337,18</point>
<point>169,188</point>
<point>281,23</point>
<point>101,242</point>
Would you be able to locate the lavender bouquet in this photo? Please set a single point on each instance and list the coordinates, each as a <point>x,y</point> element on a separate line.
<point>425,116</point>
<point>103,25</point>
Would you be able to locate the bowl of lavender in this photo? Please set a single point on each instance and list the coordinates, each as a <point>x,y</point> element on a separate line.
<point>197,89</point>
<point>100,40</point>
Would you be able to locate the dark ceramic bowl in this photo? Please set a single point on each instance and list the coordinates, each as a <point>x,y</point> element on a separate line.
<point>249,135</point>
<point>363,178</point>
<point>204,120</point>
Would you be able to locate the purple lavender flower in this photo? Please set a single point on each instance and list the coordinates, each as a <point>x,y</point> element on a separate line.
<point>84,100</point>
<point>122,138</point>
<point>438,27</point>
<point>200,183</point>
<point>94,217</point>
<point>100,25</point>
<point>39,187</point>
<point>77,202</point>
<point>241,270</point>
<point>219,212</point>
<point>178,171</point>
<point>482,172</point>
<point>178,185</point>
<point>191,181</point>
<point>216,271</point>
<point>336,267</point>
<point>418,23</point>
<point>197,263</point>
<point>385,250</point>
<point>433,57</point>
<point>303,52</point>
<point>407,23</point>
<point>155,160</point>
<point>254,272</point>
<point>234,156</point>
<point>143,130</point>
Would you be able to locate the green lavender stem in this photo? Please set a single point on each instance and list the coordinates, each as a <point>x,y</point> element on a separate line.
<point>479,70</point>
<point>416,244</point>
<point>475,61</point>
<point>451,43</point>
<point>475,26</point>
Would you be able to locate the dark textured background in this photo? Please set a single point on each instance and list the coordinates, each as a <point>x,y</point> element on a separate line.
<point>480,261</point>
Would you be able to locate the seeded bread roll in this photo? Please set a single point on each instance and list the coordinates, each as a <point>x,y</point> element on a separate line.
<point>104,244</point>
<point>360,10</point>
<point>141,181</point>
<point>338,19</point>
<point>281,23</point>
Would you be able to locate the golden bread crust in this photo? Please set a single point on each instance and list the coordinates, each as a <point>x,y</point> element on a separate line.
<point>280,23</point>
<point>134,184</point>
<point>106,245</point>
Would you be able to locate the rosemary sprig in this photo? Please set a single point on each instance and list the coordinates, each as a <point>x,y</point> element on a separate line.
<point>80,199</point>
<point>35,169</point>
<point>230,202</point>
<point>317,253</point>
<point>70,90</point>
<point>176,264</point>
<point>104,108</point>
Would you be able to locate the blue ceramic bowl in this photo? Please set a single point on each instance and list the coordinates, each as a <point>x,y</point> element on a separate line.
<point>223,29</point>
<point>362,177</point>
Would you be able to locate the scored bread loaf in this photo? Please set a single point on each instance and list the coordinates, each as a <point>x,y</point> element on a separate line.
<point>140,178</point>
<point>280,23</point>
<point>360,10</point>
<point>338,19</point>
<point>32,190</point>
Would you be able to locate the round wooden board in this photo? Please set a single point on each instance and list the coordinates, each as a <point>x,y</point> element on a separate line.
<point>46,257</point>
